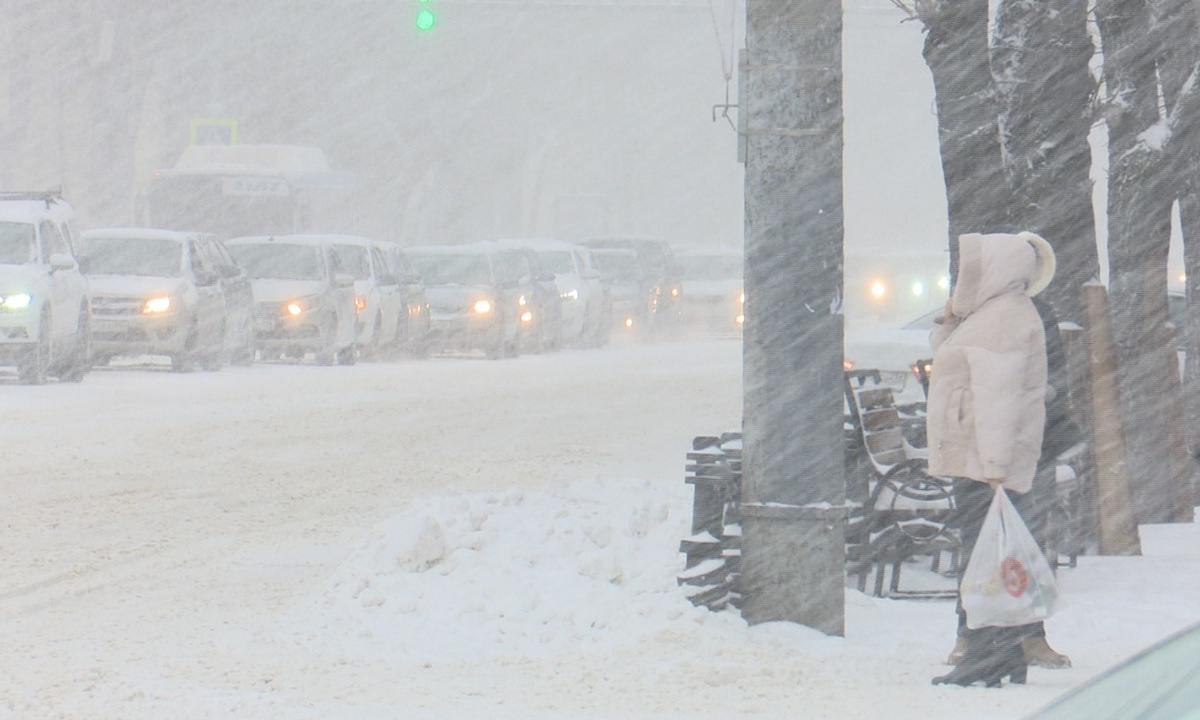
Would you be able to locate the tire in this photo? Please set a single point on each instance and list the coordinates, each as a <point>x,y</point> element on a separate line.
<point>371,351</point>
<point>184,361</point>
<point>81,355</point>
<point>36,367</point>
<point>211,361</point>
<point>328,354</point>
<point>244,354</point>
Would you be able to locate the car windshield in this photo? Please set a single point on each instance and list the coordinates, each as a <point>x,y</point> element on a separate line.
<point>1160,683</point>
<point>711,267</point>
<point>279,261</point>
<point>556,261</point>
<point>16,243</point>
<point>149,257</point>
<point>355,259</point>
<point>452,268</point>
<point>618,266</point>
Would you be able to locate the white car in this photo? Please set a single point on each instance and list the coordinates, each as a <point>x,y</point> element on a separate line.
<point>895,352</point>
<point>586,306</point>
<point>154,292</point>
<point>377,298</point>
<point>44,312</point>
<point>712,283</point>
<point>303,298</point>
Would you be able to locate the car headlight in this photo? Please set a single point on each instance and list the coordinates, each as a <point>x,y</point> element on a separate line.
<point>158,305</point>
<point>300,307</point>
<point>570,295</point>
<point>360,303</point>
<point>483,306</point>
<point>522,300</point>
<point>16,301</point>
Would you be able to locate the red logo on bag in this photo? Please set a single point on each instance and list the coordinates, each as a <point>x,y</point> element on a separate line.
<point>1012,571</point>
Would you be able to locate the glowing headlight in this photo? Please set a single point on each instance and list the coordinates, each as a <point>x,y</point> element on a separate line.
<point>360,303</point>
<point>157,305</point>
<point>674,292</point>
<point>878,289</point>
<point>944,283</point>
<point>294,308</point>
<point>570,295</point>
<point>19,301</point>
<point>918,288</point>
<point>742,298</point>
<point>522,300</point>
<point>482,307</point>
<point>526,317</point>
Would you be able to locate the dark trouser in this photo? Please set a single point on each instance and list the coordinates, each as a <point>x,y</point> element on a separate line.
<point>971,502</point>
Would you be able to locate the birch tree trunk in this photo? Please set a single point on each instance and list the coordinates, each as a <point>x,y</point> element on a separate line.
<point>956,50</point>
<point>1139,210</point>
<point>1040,55</point>
<point>1177,27</point>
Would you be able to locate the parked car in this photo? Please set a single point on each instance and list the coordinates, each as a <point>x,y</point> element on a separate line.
<point>472,306</point>
<point>656,256</point>
<point>586,306</point>
<point>1160,683</point>
<point>240,346</point>
<point>154,292</point>
<point>630,289</point>
<point>44,312</point>
<point>540,306</point>
<point>712,282</point>
<point>412,325</point>
<point>376,292</point>
<point>303,297</point>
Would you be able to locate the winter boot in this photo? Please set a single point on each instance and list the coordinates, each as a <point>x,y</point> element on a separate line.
<point>1039,653</point>
<point>992,654</point>
<point>960,649</point>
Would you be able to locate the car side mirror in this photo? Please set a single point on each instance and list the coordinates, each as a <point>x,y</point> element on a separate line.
<point>62,261</point>
<point>343,280</point>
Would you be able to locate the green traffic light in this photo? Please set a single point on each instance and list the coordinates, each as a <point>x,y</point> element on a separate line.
<point>425,20</point>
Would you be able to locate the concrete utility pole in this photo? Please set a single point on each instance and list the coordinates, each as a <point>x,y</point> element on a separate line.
<point>794,490</point>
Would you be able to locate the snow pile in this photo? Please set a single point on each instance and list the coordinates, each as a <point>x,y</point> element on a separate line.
<point>512,573</point>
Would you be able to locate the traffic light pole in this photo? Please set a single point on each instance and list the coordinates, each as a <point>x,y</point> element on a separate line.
<point>793,494</point>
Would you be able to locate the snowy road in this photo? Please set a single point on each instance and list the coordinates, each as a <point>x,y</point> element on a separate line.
<point>143,509</point>
<point>445,540</point>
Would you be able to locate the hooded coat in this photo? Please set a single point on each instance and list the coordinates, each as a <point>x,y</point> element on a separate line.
<point>986,406</point>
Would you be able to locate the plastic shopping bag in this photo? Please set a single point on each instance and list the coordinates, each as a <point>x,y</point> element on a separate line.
<point>1008,581</point>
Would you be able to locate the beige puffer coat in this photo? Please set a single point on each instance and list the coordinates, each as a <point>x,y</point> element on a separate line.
<point>987,390</point>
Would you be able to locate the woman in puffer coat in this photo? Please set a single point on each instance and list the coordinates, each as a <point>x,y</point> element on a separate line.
<point>986,408</point>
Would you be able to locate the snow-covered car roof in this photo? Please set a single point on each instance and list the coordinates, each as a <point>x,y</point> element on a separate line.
<point>32,207</point>
<point>138,234</point>
<point>297,239</point>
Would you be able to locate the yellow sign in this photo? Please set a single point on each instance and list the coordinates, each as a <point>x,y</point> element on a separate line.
<point>214,131</point>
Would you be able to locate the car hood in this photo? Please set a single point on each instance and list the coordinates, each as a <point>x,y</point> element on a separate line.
<point>15,278</point>
<point>131,285</point>
<point>456,295</point>
<point>270,290</point>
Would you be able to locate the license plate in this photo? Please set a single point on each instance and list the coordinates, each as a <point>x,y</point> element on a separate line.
<point>107,326</point>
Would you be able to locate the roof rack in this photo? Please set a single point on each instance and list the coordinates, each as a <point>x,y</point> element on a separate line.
<point>46,196</point>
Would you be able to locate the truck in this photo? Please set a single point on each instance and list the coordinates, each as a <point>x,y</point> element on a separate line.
<point>246,189</point>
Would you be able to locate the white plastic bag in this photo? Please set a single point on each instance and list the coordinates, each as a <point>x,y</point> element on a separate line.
<point>1008,581</point>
